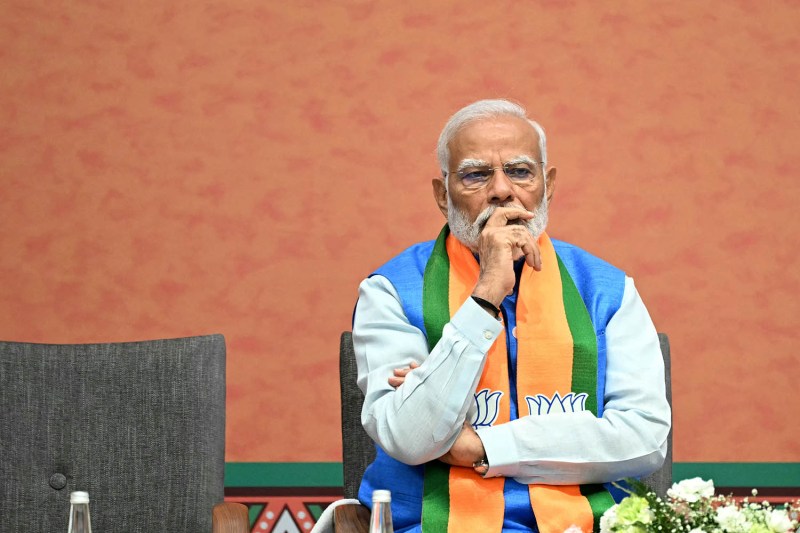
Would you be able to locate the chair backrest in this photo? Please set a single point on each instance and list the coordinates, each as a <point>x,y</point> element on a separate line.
<point>358,450</point>
<point>660,480</point>
<point>139,425</point>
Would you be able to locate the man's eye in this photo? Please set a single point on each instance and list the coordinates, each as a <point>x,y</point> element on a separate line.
<point>518,172</point>
<point>476,176</point>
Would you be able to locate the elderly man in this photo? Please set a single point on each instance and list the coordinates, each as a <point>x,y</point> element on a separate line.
<point>507,376</point>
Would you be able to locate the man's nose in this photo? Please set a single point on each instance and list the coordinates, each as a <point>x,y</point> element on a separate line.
<point>501,190</point>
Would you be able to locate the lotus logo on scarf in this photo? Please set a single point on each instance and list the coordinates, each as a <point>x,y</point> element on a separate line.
<point>488,405</point>
<point>570,403</point>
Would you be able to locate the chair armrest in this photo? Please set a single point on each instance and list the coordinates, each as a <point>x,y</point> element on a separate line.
<point>351,518</point>
<point>230,517</point>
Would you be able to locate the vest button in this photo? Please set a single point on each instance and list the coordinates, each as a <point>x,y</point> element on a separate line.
<point>58,481</point>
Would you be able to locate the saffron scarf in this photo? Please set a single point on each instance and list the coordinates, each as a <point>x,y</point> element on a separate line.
<point>556,366</point>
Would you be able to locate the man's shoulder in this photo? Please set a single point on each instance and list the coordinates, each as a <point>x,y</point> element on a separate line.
<point>575,256</point>
<point>412,259</point>
<point>405,272</point>
<point>600,284</point>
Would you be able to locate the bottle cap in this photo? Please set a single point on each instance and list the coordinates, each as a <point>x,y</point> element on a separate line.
<point>382,496</point>
<point>79,497</point>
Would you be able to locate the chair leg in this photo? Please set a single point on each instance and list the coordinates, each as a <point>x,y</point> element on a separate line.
<point>230,517</point>
<point>351,518</point>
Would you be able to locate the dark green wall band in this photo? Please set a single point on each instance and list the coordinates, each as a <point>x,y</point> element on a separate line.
<point>294,475</point>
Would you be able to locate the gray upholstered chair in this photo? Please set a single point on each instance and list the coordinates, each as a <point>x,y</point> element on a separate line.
<point>358,450</point>
<point>139,425</point>
<point>660,480</point>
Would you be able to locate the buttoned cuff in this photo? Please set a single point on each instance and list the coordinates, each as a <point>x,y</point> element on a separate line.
<point>478,326</point>
<point>501,450</point>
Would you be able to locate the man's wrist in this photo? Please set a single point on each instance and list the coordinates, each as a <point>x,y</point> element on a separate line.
<point>489,292</point>
<point>487,305</point>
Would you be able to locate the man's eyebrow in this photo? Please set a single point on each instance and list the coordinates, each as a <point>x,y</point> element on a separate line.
<point>521,159</point>
<point>471,163</point>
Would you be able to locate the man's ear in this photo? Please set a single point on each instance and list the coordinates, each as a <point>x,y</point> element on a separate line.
<point>440,194</point>
<point>550,179</point>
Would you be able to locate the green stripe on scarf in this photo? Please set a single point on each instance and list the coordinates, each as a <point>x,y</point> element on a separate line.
<point>436,313</point>
<point>584,351</point>
<point>584,374</point>
<point>435,289</point>
<point>436,497</point>
<point>600,501</point>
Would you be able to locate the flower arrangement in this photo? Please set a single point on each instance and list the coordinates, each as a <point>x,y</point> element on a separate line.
<point>692,507</point>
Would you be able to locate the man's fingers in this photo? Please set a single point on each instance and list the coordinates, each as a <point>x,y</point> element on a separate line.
<point>503,215</point>
<point>527,245</point>
<point>400,374</point>
<point>532,255</point>
<point>512,234</point>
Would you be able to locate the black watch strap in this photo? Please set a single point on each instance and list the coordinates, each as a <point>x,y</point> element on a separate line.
<point>489,306</point>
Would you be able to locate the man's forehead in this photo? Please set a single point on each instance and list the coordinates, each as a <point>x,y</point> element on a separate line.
<point>482,138</point>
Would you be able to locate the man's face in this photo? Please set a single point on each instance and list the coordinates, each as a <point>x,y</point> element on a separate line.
<point>492,142</point>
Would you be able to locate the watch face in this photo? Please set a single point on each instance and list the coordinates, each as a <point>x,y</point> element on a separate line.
<point>481,467</point>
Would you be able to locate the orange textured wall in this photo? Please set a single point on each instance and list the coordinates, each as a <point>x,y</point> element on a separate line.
<point>174,168</point>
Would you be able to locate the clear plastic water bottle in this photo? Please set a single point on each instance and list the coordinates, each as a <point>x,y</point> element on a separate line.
<point>381,519</point>
<point>79,521</point>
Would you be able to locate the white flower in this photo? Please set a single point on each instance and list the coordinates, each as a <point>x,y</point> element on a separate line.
<point>697,530</point>
<point>691,490</point>
<point>732,520</point>
<point>778,521</point>
<point>608,520</point>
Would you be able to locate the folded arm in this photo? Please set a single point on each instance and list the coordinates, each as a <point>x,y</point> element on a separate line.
<point>420,420</point>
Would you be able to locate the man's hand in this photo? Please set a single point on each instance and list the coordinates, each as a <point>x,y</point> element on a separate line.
<point>503,241</point>
<point>466,450</point>
<point>400,374</point>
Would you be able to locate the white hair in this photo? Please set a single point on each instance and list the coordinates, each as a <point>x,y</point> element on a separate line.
<point>479,110</point>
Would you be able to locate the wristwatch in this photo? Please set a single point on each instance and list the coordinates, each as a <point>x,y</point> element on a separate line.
<point>481,466</point>
<point>487,305</point>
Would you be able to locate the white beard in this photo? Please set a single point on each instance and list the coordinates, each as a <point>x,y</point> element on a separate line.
<point>468,232</point>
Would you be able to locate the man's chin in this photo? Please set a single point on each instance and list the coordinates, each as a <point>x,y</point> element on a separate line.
<point>465,240</point>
